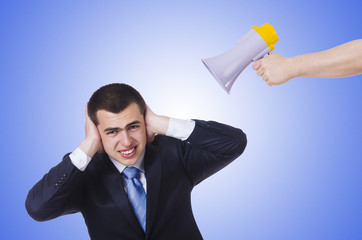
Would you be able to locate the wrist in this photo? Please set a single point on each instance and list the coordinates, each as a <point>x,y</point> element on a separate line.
<point>89,146</point>
<point>159,124</point>
<point>295,67</point>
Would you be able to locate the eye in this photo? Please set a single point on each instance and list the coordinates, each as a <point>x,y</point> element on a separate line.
<point>111,132</point>
<point>133,127</point>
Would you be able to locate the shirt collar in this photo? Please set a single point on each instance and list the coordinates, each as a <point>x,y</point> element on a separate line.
<point>139,164</point>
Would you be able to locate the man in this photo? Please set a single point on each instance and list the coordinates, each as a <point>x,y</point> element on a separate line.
<point>153,203</point>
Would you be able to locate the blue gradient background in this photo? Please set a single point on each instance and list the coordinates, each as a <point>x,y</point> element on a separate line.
<point>300,176</point>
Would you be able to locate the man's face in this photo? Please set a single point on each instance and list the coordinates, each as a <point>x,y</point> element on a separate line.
<point>123,134</point>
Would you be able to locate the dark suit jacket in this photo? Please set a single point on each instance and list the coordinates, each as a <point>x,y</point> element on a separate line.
<point>172,169</point>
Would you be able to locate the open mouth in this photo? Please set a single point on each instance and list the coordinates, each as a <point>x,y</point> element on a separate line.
<point>129,152</point>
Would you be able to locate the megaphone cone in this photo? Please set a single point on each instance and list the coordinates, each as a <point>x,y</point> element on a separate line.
<point>256,43</point>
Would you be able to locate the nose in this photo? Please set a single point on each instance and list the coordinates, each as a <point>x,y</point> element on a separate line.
<point>125,139</point>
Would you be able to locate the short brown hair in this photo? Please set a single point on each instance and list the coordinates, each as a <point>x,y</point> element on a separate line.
<point>114,98</point>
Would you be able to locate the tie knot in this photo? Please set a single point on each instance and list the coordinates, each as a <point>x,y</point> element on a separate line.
<point>131,172</point>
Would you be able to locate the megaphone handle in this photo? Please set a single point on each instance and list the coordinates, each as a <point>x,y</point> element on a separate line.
<point>262,54</point>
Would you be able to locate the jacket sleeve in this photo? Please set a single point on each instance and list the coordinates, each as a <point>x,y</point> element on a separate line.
<point>57,193</point>
<point>211,147</point>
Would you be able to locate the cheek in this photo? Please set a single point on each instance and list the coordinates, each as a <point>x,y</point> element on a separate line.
<point>108,143</point>
<point>141,136</point>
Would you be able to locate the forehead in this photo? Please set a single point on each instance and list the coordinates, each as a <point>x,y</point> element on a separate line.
<point>130,114</point>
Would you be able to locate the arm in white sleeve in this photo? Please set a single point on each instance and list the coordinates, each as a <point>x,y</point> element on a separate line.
<point>180,129</point>
<point>79,159</point>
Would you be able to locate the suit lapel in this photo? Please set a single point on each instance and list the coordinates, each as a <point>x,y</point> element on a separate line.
<point>153,176</point>
<point>112,180</point>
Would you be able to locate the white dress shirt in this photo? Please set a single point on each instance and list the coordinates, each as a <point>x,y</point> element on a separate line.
<point>177,128</point>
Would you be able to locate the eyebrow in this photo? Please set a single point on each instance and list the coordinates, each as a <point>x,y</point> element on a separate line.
<point>118,128</point>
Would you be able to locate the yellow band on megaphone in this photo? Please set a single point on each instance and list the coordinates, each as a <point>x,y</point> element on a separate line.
<point>268,33</point>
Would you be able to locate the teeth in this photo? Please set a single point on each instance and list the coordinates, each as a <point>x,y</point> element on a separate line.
<point>128,152</point>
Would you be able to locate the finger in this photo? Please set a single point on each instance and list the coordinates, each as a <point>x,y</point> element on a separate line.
<point>256,65</point>
<point>86,109</point>
<point>260,72</point>
<point>265,78</point>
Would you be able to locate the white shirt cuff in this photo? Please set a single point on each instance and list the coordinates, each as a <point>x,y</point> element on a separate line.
<point>80,159</point>
<point>180,129</point>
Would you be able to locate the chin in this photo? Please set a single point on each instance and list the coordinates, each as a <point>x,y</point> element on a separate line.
<point>128,161</point>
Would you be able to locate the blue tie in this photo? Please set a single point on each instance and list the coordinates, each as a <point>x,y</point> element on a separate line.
<point>136,194</point>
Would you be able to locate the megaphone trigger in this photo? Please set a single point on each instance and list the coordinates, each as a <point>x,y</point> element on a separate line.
<point>262,54</point>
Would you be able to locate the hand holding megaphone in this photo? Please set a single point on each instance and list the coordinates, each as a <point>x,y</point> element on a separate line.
<point>255,44</point>
<point>274,69</point>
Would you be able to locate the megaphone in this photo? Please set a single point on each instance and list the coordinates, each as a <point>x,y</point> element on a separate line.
<point>255,44</point>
